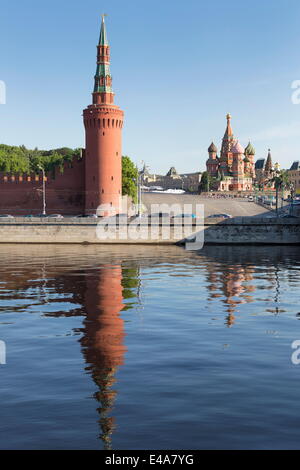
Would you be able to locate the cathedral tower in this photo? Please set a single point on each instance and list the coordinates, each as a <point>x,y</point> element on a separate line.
<point>237,166</point>
<point>103,122</point>
<point>212,164</point>
<point>227,144</point>
<point>269,166</point>
<point>249,155</point>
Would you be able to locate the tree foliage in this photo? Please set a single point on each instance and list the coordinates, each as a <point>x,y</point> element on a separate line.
<point>205,182</point>
<point>129,178</point>
<point>281,181</point>
<point>20,160</point>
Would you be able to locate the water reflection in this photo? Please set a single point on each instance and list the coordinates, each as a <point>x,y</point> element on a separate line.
<point>232,285</point>
<point>101,293</point>
<point>101,284</point>
<point>103,339</point>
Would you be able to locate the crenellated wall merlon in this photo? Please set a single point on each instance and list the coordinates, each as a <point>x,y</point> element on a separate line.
<point>32,178</point>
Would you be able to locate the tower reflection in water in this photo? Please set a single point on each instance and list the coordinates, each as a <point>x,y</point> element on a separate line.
<point>100,287</point>
<point>103,335</point>
<point>231,283</point>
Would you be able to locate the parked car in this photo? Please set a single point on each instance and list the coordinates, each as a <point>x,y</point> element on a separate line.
<point>55,216</point>
<point>288,216</point>
<point>219,216</point>
<point>183,216</point>
<point>250,198</point>
<point>81,216</point>
<point>159,215</point>
<point>6,216</point>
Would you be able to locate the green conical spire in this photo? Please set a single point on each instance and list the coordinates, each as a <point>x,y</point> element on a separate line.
<point>103,78</point>
<point>103,36</point>
<point>249,150</point>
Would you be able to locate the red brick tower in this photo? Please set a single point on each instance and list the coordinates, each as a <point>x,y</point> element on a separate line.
<point>103,122</point>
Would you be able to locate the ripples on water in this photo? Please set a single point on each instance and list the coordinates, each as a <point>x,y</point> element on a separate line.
<point>149,347</point>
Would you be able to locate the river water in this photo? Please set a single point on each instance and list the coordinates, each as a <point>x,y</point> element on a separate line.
<point>143,347</point>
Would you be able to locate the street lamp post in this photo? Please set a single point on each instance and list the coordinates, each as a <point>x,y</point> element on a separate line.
<point>138,192</point>
<point>140,182</point>
<point>44,189</point>
<point>136,180</point>
<point>292,199</point>
<point>139,196</point>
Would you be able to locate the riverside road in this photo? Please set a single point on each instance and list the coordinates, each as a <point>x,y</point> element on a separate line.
<point>237,207</point>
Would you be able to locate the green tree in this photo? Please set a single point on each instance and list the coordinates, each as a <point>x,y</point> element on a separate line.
<point>281,181</point>
<point>129,178</point>
<point>20,160</point>
<point>205,182</point>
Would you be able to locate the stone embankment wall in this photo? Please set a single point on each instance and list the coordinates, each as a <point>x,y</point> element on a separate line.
<point>239,230</point>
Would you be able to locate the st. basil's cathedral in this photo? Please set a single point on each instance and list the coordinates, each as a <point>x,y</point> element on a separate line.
<point>234,169</point>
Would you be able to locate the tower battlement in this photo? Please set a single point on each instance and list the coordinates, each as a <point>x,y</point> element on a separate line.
<point>25,178</point>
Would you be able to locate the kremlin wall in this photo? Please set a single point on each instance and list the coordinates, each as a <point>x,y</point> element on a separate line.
<point>21,195</point>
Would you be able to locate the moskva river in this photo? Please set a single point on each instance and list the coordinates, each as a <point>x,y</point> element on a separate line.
<point>136,347</point>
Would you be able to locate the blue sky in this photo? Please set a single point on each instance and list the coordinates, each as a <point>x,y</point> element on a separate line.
<point>178,68</point>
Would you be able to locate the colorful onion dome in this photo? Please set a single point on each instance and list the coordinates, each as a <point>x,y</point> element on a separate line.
<point>237,148</point>
<point>212,148</point>
<point>249,150</point>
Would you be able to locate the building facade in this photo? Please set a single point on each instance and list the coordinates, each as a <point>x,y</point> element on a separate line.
<point>172,180</point>
<point>294,176</point>
<point>94,179</point>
